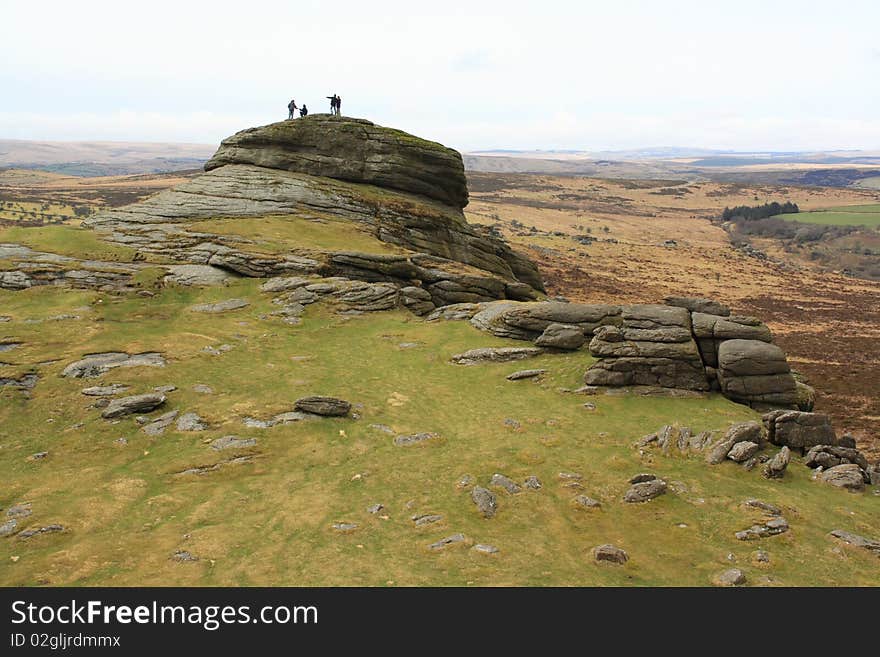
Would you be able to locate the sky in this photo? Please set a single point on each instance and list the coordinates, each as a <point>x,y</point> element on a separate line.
<point>555,74</point>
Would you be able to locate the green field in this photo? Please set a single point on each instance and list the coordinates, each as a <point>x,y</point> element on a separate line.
<point>268,521</point>
<point>847,215</point>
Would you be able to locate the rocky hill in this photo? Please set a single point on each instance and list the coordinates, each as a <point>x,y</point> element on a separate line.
<point>307,357</point>
<point>393,188</point>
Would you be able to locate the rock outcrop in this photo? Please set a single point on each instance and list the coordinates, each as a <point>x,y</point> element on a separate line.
<point>350,149</point>
<point>396,189</point>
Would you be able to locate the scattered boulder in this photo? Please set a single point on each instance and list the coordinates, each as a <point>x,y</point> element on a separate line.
<point>772,527</point>
<point>483,548</point>
<point>799,430</point>
<point>325,406</point>
<point>743,451</point>
<point>426,519</point>
<point>610,554</point>
<point>585,502</point>
<point>104,391</point>
<point>158,426</point>
<point>562,336</point>
<point>731,577</point>
<point>202,389</point>
<point>134,404</point>
<point>446,542</point>
<point>414,439</point>
<point>183,556</point>
<point>8,528</point>
<point>48,529</point>
<point>20,510</point>
<point>191,422</point>
<point>533,483</point>
<point>495,355</point>
<point>232,442</point>
<point>375,508</point>
<point>645,490</point>
<point>525,374</point>
<point>857,541</point>
<point>848,476</point>
<point>775,467</point>
<point>828,456</point>
<point>642,477</point>
<point>738,433</point>
<point>93,365</point>
<point>344,527</point>
<point>770,509</point>
<point>220,306</point>
<point>506,483</point>
<point>485,500</point>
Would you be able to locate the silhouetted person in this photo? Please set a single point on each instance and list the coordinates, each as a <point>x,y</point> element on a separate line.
<point>334,104</point>
<point>303,111</point>
<point>338,106</point>
<point>291,109</point>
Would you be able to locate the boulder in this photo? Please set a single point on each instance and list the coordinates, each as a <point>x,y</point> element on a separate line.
<point>326,406</point>
<point>485,501</point>
<point>495,355</point>
<point>743,451</point>
<point>191,422</point>
<point>561,336</point>
<point>527,321</point>
<point>730,577</point>
<point>232,442</point>
<point>848,476</point>
<point>525,374</point>
<point>799,430</point>
<point>829,456</point>
<point>775,467</point>
<point>738,433</point>
<point>220,306</point>
<point>610,554</point>
<point>857,541</point>
<point>506,483</point>
<point>93,365</point>
<point>645,490</point>
<point>755,372</point>
<point>134,404</point>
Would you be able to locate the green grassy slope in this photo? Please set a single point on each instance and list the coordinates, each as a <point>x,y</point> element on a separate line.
<point>268,521</point>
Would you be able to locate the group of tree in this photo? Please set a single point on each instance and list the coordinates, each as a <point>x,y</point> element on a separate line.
<point>752,212</point>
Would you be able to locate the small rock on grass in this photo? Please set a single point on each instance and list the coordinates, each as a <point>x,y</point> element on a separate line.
<point>506,483</point>
<point>414,439</point>
<point>730,577</point>
<point>610,554</point>
<point>344,527</point>
<point>485,501</point>
<point>446,542</point>
<point>232,442</point>
<point>482,548</point>
<point>585,502</point>
<point>645,491</point>
<point>525,374</point>
<point>533,483</point>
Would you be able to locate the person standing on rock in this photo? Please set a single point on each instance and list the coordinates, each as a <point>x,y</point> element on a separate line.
<point>333,105</point>
<point>291,109</point>
<point>303,111</point>
<point>338,106</point>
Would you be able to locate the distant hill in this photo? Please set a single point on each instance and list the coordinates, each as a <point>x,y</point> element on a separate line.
<point>102,158</point>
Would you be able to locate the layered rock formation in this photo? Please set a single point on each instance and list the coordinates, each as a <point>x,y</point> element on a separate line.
<point>689,344</point>
<point>395,188</point>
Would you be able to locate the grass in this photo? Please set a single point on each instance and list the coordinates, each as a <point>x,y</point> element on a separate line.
<point>267,522</point>
<point>30,211</point>
<point>69,241</point>
<point>847,215</point>
<point>276,234</point>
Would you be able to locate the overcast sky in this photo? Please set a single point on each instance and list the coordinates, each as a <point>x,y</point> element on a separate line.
<point>480,74</point>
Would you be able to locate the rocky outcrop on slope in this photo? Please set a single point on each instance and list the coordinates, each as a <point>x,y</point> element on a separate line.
<point>395,188</point>
<point>679,345</point>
